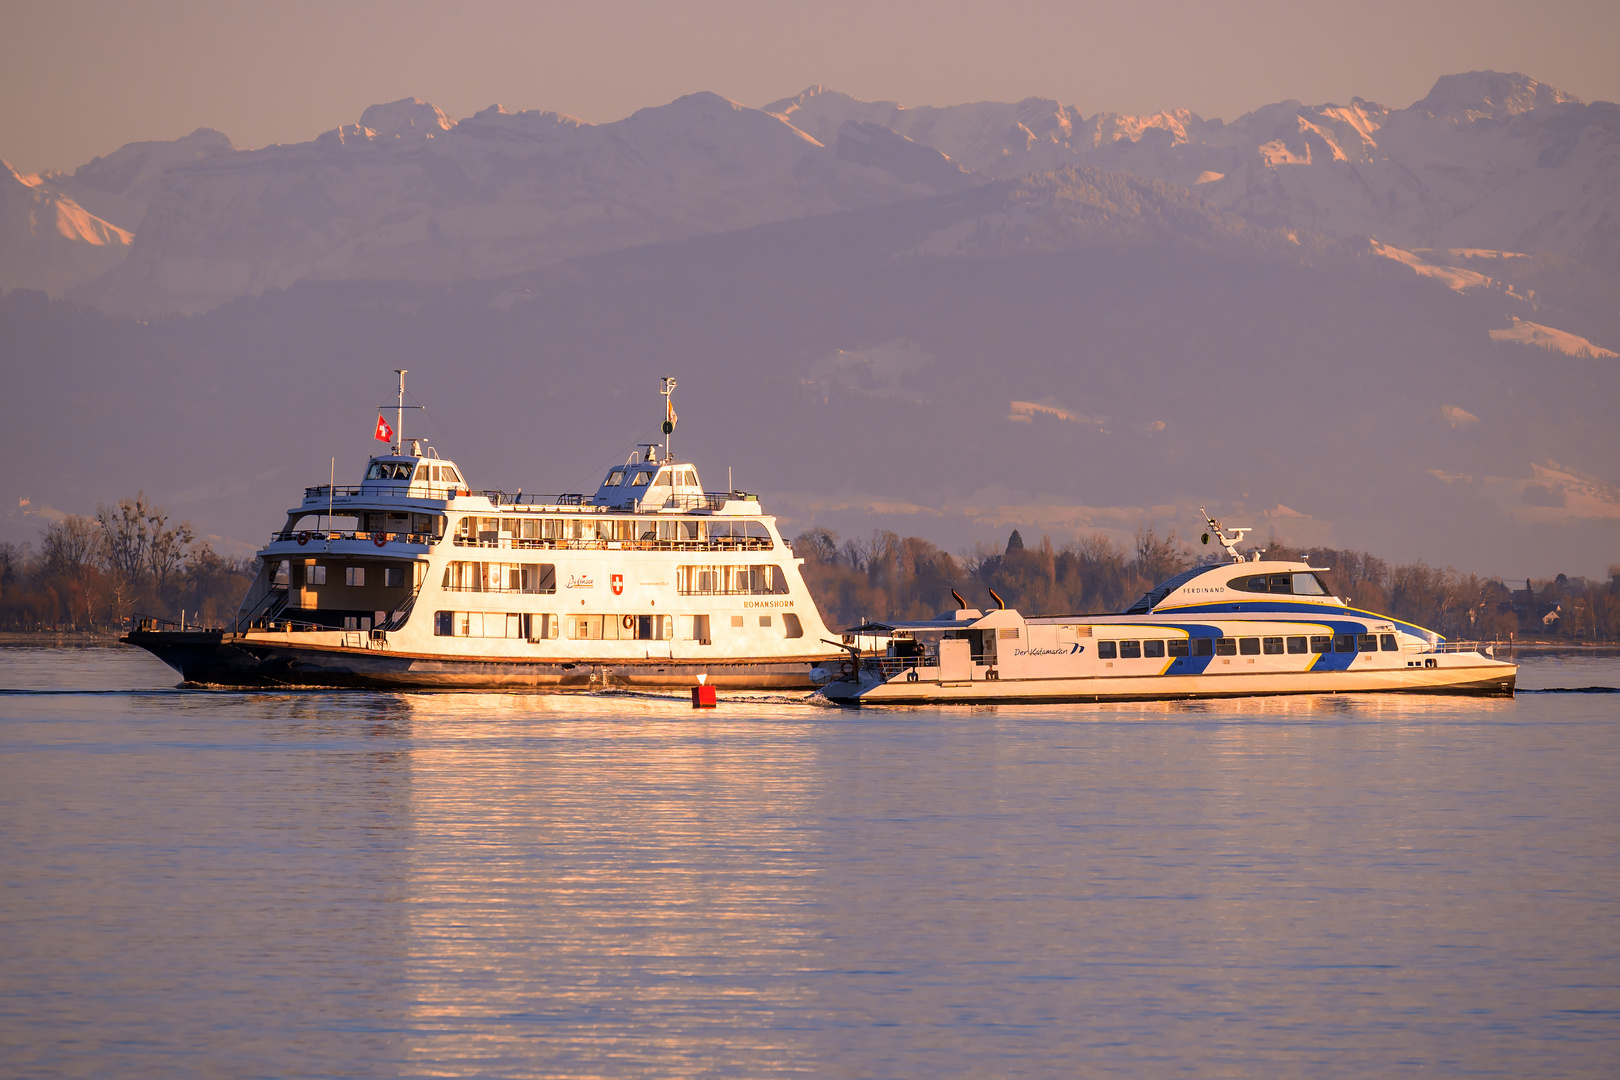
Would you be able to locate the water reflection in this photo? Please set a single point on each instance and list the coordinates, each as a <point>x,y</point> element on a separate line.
<point>584,867</point>
<point>465,884</point>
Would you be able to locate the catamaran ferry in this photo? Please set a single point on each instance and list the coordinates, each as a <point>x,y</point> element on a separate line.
<point>1239,628</point>
<point>412,578</point>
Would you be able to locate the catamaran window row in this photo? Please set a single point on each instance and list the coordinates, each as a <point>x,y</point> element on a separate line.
<point>1246,646</point>
<point>628,533</point>
<point>539,626</point>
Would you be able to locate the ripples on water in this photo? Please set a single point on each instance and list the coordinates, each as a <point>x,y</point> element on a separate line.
<point>351,884</point>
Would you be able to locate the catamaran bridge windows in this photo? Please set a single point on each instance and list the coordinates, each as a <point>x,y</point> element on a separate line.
<point>1295,584</point>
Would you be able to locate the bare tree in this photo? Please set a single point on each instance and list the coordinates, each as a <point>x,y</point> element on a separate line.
<point>165,547</point>
<point>71,554</point>
<point>127,531</point>
<point>12,559</point>
<point>121,598</point>
<point>1156,558</point>
<point>70,546</point>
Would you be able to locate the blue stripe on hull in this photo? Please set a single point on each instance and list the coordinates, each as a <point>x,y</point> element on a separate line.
<point>1199,665</point>
<point>1252,607</point>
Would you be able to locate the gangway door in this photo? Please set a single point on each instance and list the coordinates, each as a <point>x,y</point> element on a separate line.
<point>955,660</point>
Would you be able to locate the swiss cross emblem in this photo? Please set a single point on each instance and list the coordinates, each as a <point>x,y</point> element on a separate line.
<point>618,584</point>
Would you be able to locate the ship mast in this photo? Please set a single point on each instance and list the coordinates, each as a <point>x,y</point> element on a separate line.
<point>399,413</point>
<point>667,385</point>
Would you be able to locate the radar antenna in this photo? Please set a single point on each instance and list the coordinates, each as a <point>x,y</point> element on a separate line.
<point>1230,543</point>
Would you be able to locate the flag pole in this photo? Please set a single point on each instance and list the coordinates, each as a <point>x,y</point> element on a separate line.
<point>330,484</point>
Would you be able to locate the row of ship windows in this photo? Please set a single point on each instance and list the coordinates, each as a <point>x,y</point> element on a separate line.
<point>595,528</point>
<point>1247,646</point>
<point>393,577</point>
<point>543,627</point>
<point>644,477</point>
<point>541,578</point>
<point>404,470</point>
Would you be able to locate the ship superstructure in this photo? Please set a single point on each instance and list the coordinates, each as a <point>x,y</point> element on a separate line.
<point>414,578</point>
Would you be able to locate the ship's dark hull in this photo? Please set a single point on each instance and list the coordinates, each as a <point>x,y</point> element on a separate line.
<point>215,658</point>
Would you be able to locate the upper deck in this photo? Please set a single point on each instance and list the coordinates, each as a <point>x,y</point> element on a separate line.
<point>408,502</point>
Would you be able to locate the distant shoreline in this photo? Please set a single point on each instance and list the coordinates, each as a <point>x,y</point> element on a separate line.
<point>66,638</point>
<point>106,639</point>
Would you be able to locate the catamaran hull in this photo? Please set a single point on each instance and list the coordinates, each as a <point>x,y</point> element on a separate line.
<point>1491,679</point>
<point>212,658</point>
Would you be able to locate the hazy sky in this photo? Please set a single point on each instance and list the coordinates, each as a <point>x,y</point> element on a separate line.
<point>82,78</point>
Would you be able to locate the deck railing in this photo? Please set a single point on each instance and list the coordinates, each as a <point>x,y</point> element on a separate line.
<point>305,536</point>
<point>718,543</point>
<point>1459,647</point>
<point>686,501</point>
<point>890,666</point>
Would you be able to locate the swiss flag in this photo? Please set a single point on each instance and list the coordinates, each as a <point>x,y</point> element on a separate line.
<point>384,432</point>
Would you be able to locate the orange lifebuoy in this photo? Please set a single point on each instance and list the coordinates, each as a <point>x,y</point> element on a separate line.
<point>303,538</point>
<point>380,539</point>
<point>629,621</point>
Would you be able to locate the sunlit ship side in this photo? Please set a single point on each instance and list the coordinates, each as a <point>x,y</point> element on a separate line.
<point>413,579</point>
<point>1236,628</point>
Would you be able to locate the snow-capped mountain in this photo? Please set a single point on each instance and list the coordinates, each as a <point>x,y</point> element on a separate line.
<point>1486,161</point>
<point>408,193</point>
<point>47,240</point>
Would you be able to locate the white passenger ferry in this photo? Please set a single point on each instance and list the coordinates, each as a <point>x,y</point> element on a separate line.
<point>1237,628</point>
<point>412,578</point>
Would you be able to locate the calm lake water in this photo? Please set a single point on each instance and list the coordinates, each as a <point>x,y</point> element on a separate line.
<point>212,884</point>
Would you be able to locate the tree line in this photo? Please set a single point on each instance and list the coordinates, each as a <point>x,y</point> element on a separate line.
<point>96,573</point>
<point>887,576</point>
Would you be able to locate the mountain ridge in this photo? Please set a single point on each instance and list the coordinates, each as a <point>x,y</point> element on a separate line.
<point>1486,160</point>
